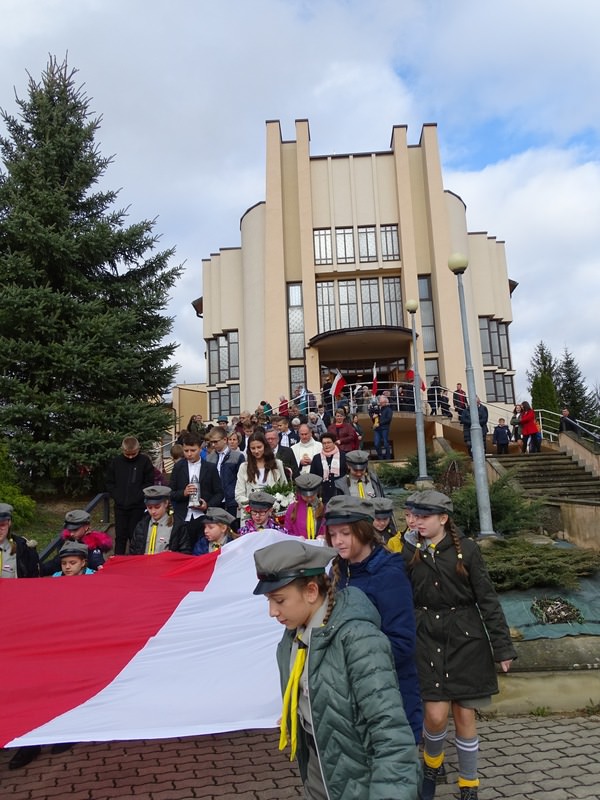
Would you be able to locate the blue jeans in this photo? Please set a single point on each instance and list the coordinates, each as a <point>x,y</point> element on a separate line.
<point>382,442</point>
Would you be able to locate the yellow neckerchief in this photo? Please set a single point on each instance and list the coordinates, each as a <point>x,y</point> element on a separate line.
<point>290,701</point>
<point>310,522</point>
<point>361,488</point>
<point>152,542</point>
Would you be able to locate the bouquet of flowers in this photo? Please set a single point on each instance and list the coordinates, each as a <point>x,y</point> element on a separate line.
<point>284,494</point>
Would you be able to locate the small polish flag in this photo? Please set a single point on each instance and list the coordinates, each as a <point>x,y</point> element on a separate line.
<point>374,379</point>
<point>337,387</point>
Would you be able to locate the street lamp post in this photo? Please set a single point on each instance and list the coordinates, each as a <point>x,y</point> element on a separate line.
<point>411,307</point>
<point>458,263</point>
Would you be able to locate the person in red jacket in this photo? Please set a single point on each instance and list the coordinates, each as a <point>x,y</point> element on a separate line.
<point>529,429</point>
<point>346,437</point>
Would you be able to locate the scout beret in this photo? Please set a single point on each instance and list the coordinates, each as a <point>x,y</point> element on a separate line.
<point>260,500</point>
<point>6,511</point>
<point>74,549</point>
<point>153,495</point>
<point>307,483</point>
<point>76,518</point>
<point>410,500</point>
<point>383,506</point>
<point>431,502</point>
<point>283,562</point>
<point>357,458</point>
<point>222,418</point>
<point>343,509</point>
<point>216,514</point>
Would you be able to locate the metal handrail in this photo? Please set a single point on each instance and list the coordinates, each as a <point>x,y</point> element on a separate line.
<point>55,544</point>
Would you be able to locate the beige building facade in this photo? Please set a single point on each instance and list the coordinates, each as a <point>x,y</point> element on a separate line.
<point>325,267</point>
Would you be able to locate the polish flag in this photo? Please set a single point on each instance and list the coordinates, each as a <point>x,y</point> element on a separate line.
<point>374,389</point>
<point>337,387</point>
<point>149,647</point>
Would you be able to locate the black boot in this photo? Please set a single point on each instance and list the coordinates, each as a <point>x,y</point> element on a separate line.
<point>468,793</point>
<point>430,775</point>
<point>24,756</point>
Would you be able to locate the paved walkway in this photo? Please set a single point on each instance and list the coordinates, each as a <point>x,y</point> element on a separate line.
<point>524,758</point>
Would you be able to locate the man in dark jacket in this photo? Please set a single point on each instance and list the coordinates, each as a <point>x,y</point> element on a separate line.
<point>227,463</point>
<point>195,480</point>
<point>126,478</point>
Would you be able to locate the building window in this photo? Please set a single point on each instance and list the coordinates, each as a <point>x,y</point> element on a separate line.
<point>392,301</point>
<point>390,247</point>
<point>325,306</point>
<point>297,378</point>
<point>432,370</point>
<point>295,321</point>
<point>509,389</point>
<point>495,348</point>
<point>225,400</point>
<point>344,244</point>
<point>427,315</point>
<point>369,296</point>
<point>348,304</point>
<point>367,243</point>
<point>223,358</point>
<point>322,245</point>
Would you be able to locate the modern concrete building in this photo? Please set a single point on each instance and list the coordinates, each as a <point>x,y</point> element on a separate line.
<point>326,264</point>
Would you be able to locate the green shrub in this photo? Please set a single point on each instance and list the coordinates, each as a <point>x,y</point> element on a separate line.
<point>512,512</point>
<point>24,507</point>
<point>442,468</point>
<point>518,564</point>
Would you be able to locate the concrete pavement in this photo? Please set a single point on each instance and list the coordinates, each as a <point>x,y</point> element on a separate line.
<point>524,758</point>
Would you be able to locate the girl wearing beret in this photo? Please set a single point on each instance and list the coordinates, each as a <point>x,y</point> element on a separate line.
<point>342,713</point>
<point>365,563</point>
<point>461,634</point>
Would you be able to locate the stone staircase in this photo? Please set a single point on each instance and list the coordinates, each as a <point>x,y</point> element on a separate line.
<point>553,475</point>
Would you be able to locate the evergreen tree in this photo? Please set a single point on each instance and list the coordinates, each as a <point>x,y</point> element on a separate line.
<point>572,390</point>
<point>82,352</point>
<point>545,398</point>
<point>542,362</point>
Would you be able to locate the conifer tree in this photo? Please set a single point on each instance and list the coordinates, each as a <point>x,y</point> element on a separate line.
<point>545,398</point>
<point>542,361</point>
<point>83,355</point>
<point>572,389</point>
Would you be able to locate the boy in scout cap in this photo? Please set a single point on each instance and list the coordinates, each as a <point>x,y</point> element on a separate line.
<point>18,556</point>
<point>462,633</point>
<point>260,508</point>
<point>76,528</point>
<point>159,530</point>
<point>335,668</point>
<point>360,481</point>
<point>364,562</point>
<point>73,560</point>
<point>217,531</point>
<point>384,518</point>
<point>304,517</point>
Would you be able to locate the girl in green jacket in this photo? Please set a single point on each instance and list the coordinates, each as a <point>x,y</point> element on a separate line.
<point>342,710</point>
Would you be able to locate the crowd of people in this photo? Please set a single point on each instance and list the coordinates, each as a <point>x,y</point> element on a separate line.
<point>389,628</point>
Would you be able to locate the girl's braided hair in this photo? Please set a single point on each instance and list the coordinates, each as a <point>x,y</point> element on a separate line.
<point>326,589</point>
<point>451,529</point>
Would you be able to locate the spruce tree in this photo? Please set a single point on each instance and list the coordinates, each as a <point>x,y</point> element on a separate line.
<point>83,355</point>
<point>545,398</point>
<point>542,362</point>
<point>572,389</point>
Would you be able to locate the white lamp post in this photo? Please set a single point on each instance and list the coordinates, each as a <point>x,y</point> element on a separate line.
<point>412,306</point>
<point>458,263</point>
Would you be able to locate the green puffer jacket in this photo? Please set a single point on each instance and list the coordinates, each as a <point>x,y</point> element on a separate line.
<point>366,747</point>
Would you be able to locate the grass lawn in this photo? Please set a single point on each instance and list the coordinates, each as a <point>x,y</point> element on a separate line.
<point>50,515</point>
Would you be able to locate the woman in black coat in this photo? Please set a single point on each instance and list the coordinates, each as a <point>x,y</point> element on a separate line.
<point>461,635</point>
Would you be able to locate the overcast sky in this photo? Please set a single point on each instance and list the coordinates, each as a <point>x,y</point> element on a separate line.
<point>185,86</point>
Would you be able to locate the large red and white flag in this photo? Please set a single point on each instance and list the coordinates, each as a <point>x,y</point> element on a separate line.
<point>374,388</point>
<point>149,647</point>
